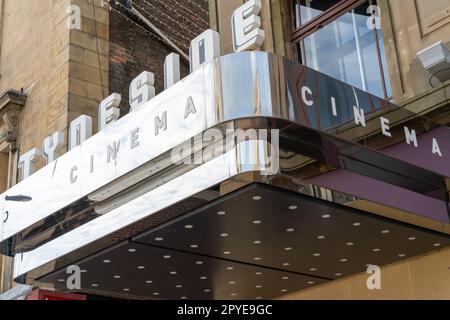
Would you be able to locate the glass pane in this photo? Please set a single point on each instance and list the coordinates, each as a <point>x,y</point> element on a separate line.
<point>347,49</point>
<point>309,9</point>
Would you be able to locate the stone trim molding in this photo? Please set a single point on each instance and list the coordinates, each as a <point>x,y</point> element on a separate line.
<point>11,104</point>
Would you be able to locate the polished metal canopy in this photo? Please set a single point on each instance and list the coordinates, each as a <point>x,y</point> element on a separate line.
<point>300,203</point>
<point>258,242</point>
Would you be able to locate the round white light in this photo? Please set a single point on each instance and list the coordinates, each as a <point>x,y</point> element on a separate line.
<point>293,207</point>
<point>256,198</point>
<point>221,213</point>
<point>189,226</point>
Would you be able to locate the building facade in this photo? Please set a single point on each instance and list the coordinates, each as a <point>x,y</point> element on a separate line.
<point>316,66</point>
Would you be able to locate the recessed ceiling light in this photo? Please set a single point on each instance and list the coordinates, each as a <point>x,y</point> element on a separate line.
<point>233,294</point>
<point>194,246</point>
<point>226,252</point>
<point>231,282</point>
<point>173,272</point>
<point>148,281</point>
<point>198,262</point>
<point>131,250</point>
<point>159,238</point>
<point>312,269</point>
<point>376,250</point>
<point>117,277</point>
<point>385,231</point>
<point>412,238</point>
<point>156,293</point>
<point>285,278</point>
<point>256,198</point>
<point>320,237</point>
<point>141,267</point>
<point>94,285</point>
<point>230,268</point>
<point>310,282</point>
<point>257,222</point>
<point>401,255</point>
<point>203,278</point>
<point>338,274</point>
<point>189,226</point>
<point>343,260</point>
<point>258,273</point>
<point>83,271</point>
<point>436,245</point>
<point>357,224</point>
<point>221,213</point>
<point>179,286</point>
<point>61,280</point>
<point>326,216</point>
<point>290,229</point>
<point>257,258</point>
<point>258,286</point>
<point>183,298</point>
<point>257,242</point>
<point>106,261</point>
<point>126,289</point>
<point>293,207</point>
<point>283,290</point>
<point>258,298</point>
<point>286,264</point>
<point>316,254</point>
<point>207,290</point>
<point>349,244</point>
<point>287,249</point>
<point>224,235</point>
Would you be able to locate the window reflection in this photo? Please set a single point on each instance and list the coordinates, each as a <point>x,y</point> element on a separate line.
<point>350,48</point>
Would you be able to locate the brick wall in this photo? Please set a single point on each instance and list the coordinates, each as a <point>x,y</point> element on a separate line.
<point>132,50</point>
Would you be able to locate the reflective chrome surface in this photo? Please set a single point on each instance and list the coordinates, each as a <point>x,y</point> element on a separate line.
<point>90,211</point>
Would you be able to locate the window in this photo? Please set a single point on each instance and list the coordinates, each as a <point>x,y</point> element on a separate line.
<point>343,39</point>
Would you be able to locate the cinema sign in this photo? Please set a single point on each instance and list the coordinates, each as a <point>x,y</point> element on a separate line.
<point>220,90</point>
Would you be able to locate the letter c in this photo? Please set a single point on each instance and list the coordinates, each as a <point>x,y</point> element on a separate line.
<point>307,101</point>
<point>73,178</point>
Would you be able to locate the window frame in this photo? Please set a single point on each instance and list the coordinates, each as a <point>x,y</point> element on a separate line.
<point>297,35</point>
